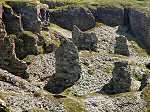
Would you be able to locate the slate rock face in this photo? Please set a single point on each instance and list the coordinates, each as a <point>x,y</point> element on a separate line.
<point>68,69</point>
<point>53,4</point>
<point>122,80</point>
<point>109,15</point>
<point>140,25</point>
<point>12,22</point>
<point>83,40</point>
<point>26,44</point>
<point>8,59</point>
<point>30,15</point>
<point>73,15</point>
<point>122,46</point>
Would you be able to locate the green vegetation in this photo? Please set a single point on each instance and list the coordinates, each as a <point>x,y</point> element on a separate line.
<point>73,105</point>
<point>28,34</point>
<point>139,4</point>
<point>38,110</point>
<point>29,59</point>
<point>146,95</point>
<point>131,95</point>
<point>49,38</point>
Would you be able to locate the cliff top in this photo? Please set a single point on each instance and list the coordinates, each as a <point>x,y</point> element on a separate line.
<point>143,5</point>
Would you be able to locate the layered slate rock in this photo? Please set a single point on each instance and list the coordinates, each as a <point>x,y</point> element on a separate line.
<point>140,25</point>
<point>109,15</point>
<point>122,80</point>
<point>68,69</point>
<point>8,59</point>
<point>121,46</point>
<point>84,40</point>
<point>12,21</point>
<point>26,44</point>
<point>30,15</point>
<point>73,15</point>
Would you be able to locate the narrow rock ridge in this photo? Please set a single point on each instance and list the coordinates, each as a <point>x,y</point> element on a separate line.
<point>122,46</point>
<point>122,80</point>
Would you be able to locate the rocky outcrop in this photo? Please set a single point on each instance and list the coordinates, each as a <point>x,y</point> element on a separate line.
<point>83,40</point>
<point>12,21</point>
<point>109,15</point>
<point>53,4</point>
<point>8,59</point>
<point>122,80</point>
<point>121,46</point>
<point>67,67</point>
<point>73,15</point>
<point>30,15</point>
<point>26,44</point>
<point>140,25</point>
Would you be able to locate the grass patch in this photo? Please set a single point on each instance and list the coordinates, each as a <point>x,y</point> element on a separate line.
<point>72,105</point>
<point>49,38</point>
<point>29,59</point>
<point>38,110</point>
<point>146,95</point>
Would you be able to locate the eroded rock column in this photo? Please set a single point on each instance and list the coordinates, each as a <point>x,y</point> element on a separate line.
<point>8,59</point>
<point>68,69</point>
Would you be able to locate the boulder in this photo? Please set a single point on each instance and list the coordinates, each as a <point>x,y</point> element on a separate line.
<point>122,80</point>
<point>121,46</point>
<point>140,25</point>
<point>84,40</point>
<point>26,44</point>
<point>73,15</point>
<point>12,21</point>
<point>30,15</point>
<point>112,16</point>
<point>68,69</point>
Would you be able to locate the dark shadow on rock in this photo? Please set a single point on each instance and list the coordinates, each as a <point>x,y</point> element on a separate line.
<point>121,46</point>
<point>121,80</point>
<point>144,81</point>
<point>68,69</point>
<point>126,32</point>
<point>84,40</point>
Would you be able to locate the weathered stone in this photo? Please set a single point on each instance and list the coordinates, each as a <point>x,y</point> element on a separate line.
<point>8,59</point>
<point>83,40</point>
<point>44,17</point>
<point>12,21</point>
<point>109,15</point>
<point>30,15</point>
<point>26,44</point>
<point>73,15</point>
<point>67,67</point>
<point>121,46</point>
<point>122,80</point>
<point>140,25</point>
<point>53,4</point>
